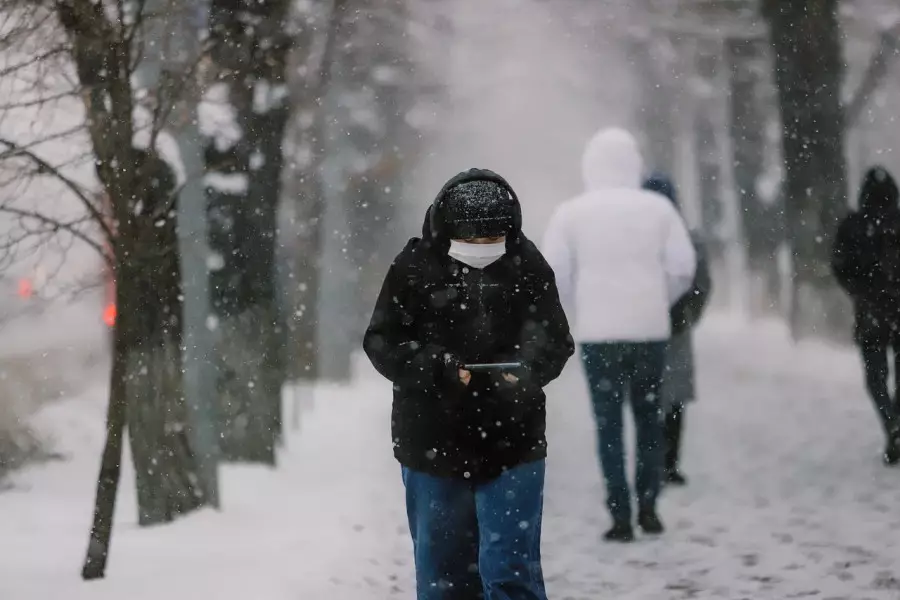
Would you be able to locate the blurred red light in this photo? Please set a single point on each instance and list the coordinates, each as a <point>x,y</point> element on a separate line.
<point>109,315</point>
<point>26,289</point>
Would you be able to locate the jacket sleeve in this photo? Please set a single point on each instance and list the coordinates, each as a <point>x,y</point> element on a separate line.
<point>689,309</point>
<point>545,343</point>
<point>558,254</point>
<point>391,342</point>
<point>703,279</point>
<point>679,258</point>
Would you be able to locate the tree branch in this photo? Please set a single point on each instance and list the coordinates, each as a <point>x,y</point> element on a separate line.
<point>15,149</point>
<point>56,225</point>
<point>132,37</point>
<point>40,101</point>
<point>40,58</point>
<point>875,73</point>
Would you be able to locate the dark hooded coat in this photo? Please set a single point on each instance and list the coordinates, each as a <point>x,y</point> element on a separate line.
<point>679,376</point>
<point>866,258</point>
<point>435,314</point>
<point>686,312</point>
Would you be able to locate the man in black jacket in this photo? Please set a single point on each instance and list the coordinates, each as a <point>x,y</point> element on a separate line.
<point>473,289</point>
<point>866,263</point>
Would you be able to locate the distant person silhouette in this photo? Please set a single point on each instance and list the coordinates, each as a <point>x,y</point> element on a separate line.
<point>678,381</point>
<point>866,263</point>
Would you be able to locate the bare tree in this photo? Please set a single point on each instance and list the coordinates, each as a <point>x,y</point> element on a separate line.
<point>122,208</point>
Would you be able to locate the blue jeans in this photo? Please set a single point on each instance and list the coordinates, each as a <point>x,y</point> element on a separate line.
<point>477,540</point>
<point>614,371</point>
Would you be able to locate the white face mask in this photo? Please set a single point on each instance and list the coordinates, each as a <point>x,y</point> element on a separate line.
<point>477,256</point>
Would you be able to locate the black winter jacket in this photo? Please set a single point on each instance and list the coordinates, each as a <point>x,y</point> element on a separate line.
<point>686,312</point>
<point>866,259</point>
<point>434,314</point>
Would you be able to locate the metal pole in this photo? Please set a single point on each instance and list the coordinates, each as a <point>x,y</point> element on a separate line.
<point>193,247</point>
<point>172,33</point>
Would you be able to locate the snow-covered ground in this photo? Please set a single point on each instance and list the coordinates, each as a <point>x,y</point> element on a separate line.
<point>787,499</point>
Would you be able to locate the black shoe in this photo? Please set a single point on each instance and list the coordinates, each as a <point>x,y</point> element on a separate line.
<point>674,477</point>
<point>620,532</point>
<point>649,522</point>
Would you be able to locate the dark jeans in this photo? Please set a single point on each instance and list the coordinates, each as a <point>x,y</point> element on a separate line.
<point>615,371</point>
<point>477,540</point>
<point>875,361</point>
<point>674,425</point>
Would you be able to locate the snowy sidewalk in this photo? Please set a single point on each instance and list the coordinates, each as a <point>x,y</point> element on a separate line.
<point>787,496</point>
<point>787,499</point>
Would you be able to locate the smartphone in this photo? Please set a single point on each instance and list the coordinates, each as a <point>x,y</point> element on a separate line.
<point>503,366</point>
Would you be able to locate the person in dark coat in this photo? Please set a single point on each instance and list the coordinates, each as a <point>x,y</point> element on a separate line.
<point>866,263</point>
<point>678,385</point>
<point>472,290</point>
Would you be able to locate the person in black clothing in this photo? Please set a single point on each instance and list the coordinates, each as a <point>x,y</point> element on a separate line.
<point>678,382</point>
<point>866,263</point>
<point>473,289</point>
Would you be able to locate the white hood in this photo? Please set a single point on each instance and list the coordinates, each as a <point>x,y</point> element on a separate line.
<point>612,159</point>
<point>621,255</point>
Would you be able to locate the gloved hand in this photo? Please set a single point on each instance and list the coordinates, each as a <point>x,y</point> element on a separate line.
<point>449,368</point>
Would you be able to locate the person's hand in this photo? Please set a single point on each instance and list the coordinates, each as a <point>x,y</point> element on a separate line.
<point>465,376</point>
<point>449,368</point>
<point>510,378</point>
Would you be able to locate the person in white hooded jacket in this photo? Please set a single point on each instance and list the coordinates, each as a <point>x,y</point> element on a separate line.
<point>622,257</point>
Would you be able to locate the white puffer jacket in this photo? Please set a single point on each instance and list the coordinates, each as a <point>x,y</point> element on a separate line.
<point>622,255</point>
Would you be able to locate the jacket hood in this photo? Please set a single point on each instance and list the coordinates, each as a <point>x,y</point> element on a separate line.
<point>878,193</point>
<point>612,159</point>
<point>662,184</point>
<point>433,227</point>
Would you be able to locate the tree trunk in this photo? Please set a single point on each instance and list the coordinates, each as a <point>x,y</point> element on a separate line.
<point>268,120</point>
<point>150,312</point>
<point>164,465</point>
<point>374,70</point>
<point>251,49</point>
<point>809,68</point>
<point>246,415</point>
<point>110,463</point>
<point>761,223</point>
<point>145,394</point>
<point>709,166</point>
<point>373,201</point>
<point>656,124</point>
<point>309,209</point>
<point>307,273</point>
